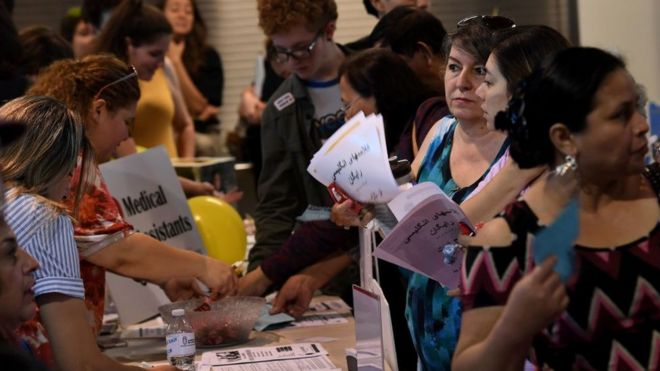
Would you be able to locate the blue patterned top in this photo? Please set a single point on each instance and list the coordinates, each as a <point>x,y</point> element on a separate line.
<point>433,317</point>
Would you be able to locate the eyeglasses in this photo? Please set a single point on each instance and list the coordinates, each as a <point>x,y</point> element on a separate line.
<point>121,79</point>
<point>493,22</point>
<point>283,55</point>
<point>346,106</point>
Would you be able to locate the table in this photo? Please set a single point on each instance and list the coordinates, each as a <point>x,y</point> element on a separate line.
<point>335,338</point>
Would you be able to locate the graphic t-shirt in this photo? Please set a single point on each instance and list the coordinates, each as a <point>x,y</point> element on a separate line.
<point>328,113</point>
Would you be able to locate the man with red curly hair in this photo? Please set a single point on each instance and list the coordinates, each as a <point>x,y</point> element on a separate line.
<point>304,111</point>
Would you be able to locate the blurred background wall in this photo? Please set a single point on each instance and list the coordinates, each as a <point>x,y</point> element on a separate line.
<point>630,28</point>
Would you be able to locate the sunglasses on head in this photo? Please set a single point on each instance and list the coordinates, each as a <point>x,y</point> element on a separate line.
<point>132,74</point>
<point>493,22</point>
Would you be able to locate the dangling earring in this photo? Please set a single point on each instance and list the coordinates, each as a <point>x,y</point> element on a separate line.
<point>569,165</point>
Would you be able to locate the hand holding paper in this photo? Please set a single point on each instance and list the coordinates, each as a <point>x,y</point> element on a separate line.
<point>424,240</point>
<point>355,160</point>
<point>558,239</point>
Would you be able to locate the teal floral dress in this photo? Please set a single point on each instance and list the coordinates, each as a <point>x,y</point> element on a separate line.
<point>434,318</point>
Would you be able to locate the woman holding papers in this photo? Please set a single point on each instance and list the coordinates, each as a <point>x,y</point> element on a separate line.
<point>456,154</point>
<point>584,295</point>
<point>104,91</point>
<point>521,49</point>
<point>37,170</point>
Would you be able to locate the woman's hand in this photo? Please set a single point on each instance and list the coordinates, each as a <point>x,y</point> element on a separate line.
<point>230,197</point>
<point>536,300</point>
<point>193,188</point>
<point>208,112</point>
<point>219,277</point>
<point>175,51</point>
<point>343,215</point>
<point>182,289</point>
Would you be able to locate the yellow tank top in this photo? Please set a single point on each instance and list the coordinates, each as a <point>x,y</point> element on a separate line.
<point>154,115</point>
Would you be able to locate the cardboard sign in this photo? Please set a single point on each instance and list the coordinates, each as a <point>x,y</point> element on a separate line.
<point>147,188</point>
<point>150,195</point>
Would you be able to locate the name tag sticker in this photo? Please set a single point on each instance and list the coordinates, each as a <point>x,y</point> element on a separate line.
<point>284,101</point>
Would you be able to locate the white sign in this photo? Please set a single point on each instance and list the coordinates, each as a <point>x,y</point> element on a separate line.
<point>150,196</point>
<point>147,188</point>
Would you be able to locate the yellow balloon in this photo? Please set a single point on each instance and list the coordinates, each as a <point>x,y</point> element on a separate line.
<point>220,227</point>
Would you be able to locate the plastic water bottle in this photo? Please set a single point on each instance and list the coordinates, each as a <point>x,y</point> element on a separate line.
<point>180,340</point>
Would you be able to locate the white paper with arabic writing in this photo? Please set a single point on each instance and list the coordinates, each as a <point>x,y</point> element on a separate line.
<point>417,242</point>
<point>356,159</point>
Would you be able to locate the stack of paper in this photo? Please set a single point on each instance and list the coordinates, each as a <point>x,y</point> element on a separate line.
<point>429,221</point>
<point>290,357</point>
<point>355,158</point>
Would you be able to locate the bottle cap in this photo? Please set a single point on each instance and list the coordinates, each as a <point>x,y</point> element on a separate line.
<point>178,312</point>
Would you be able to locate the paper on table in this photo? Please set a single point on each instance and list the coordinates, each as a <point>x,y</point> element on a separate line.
<point>262,354</point>
<point>558,239</point>
<point>355,158</point>
<point>150,329</point>
<point>418,241</point>
<point>318,363</point>
<point>267,320</point>
<point>329,305</point>
<point>324,319</point>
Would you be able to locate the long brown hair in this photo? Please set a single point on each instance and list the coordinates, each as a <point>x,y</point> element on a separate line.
<point>195,40</point>
<point>133,20</point>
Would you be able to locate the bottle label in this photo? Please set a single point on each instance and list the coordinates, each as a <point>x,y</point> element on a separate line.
<point>180,344</point>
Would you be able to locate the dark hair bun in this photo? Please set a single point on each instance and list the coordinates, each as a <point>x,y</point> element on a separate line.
<point>563,92</point>
<point>529,147</point>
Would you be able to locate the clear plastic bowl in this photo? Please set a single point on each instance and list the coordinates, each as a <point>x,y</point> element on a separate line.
<point>228,322</point>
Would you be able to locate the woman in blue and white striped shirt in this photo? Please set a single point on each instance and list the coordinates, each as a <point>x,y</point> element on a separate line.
<point>37,171</point>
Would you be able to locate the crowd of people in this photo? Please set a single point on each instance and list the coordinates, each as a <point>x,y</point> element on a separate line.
<point>520,128</point>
